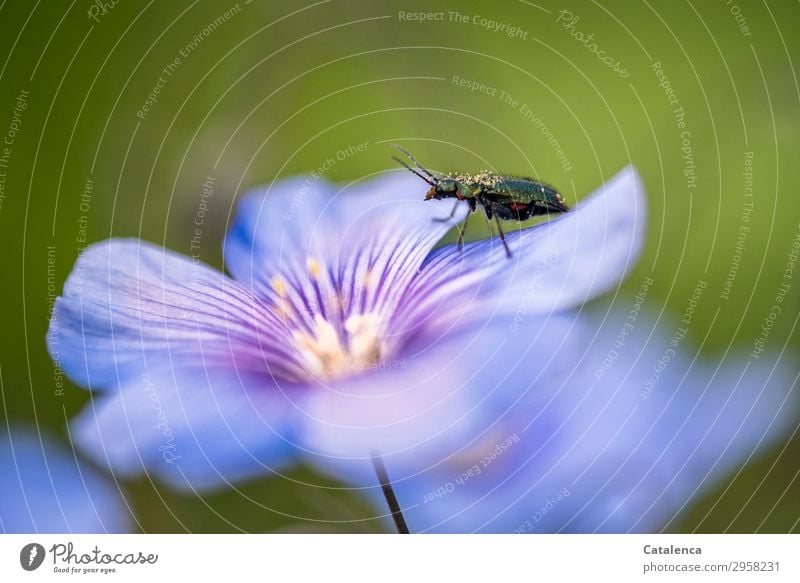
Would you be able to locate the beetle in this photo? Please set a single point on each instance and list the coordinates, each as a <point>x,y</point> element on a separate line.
<point>510,198</point>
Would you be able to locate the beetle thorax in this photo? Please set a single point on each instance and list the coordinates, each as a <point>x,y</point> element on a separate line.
<point>483,180</point>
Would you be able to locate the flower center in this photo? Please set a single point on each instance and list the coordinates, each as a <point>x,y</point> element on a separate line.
<point>327,353</point>
<point>336,322</point>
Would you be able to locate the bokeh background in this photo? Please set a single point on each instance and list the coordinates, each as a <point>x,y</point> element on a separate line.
<point>264,89</point>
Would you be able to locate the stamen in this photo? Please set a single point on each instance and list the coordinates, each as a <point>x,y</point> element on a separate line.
<point>326,354</point>
<point>328,339</point>
<point>365,345</point>
<point>322,352</point>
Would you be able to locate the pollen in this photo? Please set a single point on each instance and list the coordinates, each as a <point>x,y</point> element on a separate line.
<point>313,268</point>
<point>369,279</point>
<point>485,179</point>
<point>364,339</point>
<point>278,286</point>
<point>327,352</point>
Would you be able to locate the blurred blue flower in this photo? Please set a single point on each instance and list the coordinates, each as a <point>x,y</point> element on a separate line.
<point>340,332</point>
<point>46,489</point>
<point>639,430</point>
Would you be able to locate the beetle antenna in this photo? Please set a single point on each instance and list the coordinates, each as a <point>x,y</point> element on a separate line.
<point>409,168</point>
<point>414,160</point>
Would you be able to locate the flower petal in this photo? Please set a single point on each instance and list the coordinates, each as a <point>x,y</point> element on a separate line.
<point>438,403</point>
<point>193,428</point>
<point>609,451</point>
<point>128,301</point>
<point>382,228</point>
<point>556,265</point>
<point>46,489</point>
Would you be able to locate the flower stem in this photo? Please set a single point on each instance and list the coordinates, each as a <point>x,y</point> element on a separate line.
<point>388,493</point>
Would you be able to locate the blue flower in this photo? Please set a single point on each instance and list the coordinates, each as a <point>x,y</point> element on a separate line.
<point>48,490</point>
<point>340,331</point>
<point>639,430</point>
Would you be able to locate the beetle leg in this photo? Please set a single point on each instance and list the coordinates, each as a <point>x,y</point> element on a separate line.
<point>452,214</point>
<point>502,236</point>
<point>473,204</point>
<point>461,232</point>
<point>487,210</point>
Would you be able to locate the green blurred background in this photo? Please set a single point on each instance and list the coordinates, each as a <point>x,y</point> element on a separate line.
<point>275,89</point>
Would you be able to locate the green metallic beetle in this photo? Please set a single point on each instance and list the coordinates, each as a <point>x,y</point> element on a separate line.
<point>501,197</point>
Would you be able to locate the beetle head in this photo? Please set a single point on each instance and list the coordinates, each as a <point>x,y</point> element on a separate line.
<point>443,188</point>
